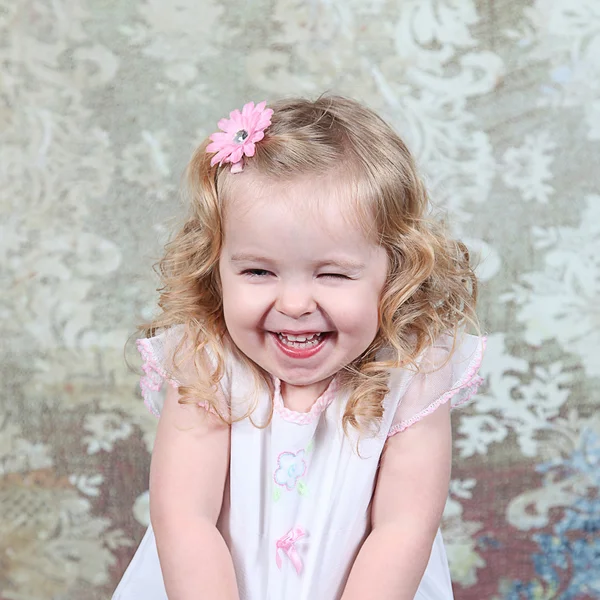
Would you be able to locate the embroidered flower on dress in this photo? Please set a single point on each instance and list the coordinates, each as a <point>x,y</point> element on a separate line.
<point>239,135</point>
<point>287,544</point>
<point>290,468</point>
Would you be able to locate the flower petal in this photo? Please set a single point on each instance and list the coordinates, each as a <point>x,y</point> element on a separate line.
<point>236,154</point>
<point>284,460</point>
<point>223,124</point>
<point>249,149</point>
<point>249,123</point>
<point>220,156</point>
<point>221,138</point>
<point>219,147</point>
<point>265,119</point>
<point>237,122</point>
<point>248,109</point>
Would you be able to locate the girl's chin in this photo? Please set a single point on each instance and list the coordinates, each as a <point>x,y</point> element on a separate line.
<point>321,376</point>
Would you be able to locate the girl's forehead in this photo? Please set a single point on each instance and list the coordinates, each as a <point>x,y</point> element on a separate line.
<point>327,200</point>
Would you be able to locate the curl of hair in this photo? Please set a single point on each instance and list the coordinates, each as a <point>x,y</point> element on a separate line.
<point>430,289</point>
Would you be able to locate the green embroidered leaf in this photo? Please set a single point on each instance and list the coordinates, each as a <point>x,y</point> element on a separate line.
<point>310,446</point>
<point>302,489</point>
<point>276,494</point>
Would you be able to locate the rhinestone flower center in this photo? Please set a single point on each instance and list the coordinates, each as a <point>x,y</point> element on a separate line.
<point>240,136</point>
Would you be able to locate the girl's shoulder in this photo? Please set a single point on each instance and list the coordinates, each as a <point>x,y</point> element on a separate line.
<point>448,371</point>
<point>169,357</point>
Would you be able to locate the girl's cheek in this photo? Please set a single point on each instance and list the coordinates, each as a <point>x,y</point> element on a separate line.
<point>252,300</point>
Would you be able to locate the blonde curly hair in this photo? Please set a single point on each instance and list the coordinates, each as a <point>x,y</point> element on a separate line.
<point>430,289</point>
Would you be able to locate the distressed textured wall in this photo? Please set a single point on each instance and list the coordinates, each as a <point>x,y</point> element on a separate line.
<point>101,103</point>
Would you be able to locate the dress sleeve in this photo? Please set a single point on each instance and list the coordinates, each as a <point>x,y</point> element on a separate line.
<point>159,367</point>
<point>448,373</point>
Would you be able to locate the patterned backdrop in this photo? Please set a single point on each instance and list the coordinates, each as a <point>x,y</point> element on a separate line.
<point>101,103</point>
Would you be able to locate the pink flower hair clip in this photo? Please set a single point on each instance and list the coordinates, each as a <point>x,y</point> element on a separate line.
<point>239,135</point>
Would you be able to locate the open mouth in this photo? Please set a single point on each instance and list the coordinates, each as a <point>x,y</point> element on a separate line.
<point>301,345</point>
<point>308,340</point>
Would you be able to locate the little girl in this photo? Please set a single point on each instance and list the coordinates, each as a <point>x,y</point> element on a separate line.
<point>312,336</point>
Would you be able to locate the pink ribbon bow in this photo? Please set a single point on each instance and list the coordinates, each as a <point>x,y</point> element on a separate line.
<point>288,544</point>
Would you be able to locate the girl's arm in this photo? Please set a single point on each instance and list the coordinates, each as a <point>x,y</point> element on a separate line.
<point>189,467</point>
<point>409,500</point>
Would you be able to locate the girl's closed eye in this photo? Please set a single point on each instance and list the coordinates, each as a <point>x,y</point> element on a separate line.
<point>336,276</point>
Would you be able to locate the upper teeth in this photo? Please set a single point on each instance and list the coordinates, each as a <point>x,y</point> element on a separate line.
<point>299,338</point>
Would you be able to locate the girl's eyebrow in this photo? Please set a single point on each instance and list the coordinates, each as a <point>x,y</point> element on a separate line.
<point>237,258</point>
<point>342,263</point>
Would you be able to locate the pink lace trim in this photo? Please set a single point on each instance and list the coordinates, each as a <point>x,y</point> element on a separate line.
<point>324,400</point>
<point>467,386</point>
<point>154,375</point>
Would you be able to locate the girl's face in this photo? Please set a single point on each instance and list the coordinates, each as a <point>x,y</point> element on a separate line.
<point>301,282</point>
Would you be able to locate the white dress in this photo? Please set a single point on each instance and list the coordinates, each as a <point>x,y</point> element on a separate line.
<point>296,508</point>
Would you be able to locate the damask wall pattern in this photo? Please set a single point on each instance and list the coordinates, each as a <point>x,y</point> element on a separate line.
<point>101,104</point>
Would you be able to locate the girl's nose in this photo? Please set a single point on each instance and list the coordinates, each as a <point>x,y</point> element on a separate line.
<point>295,301</point>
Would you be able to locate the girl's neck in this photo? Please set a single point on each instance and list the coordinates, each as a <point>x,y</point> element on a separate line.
<point>302,398</point>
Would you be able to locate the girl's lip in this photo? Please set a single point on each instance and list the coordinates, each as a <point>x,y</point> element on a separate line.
<point>306,332</point>
<point>300,352</point>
